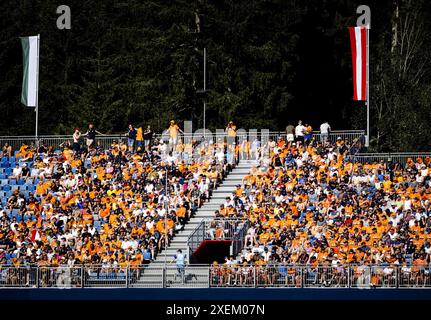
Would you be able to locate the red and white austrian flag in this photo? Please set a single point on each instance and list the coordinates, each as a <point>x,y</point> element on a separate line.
<point>358,43</point>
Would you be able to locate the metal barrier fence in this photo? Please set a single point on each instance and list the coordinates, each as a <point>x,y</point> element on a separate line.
<point>106,140</point>
<point>338,276</point>
<point>195,238</point>
<point>399,157</point>
<point>224,229</point>
<point>219,229</point>
<point>204,276</point>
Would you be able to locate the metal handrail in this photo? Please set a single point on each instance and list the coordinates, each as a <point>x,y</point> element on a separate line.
<point>202,276</point>
<point>106,139</point>
<point>394,157</point>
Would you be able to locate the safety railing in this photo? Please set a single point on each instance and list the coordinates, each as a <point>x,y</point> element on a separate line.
<point>224,229</point>
<point>399,157</point>
<point>216,276</point>
<point>328,276</point>
<point>196,237</point>
<point>107,139</point>
<point>219,229</point>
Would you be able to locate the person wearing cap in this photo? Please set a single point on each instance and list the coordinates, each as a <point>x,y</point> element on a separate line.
<point>173,130</point>
<point>231,134</point>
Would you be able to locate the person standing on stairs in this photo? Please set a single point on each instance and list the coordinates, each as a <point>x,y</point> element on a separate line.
<point>180,261</point>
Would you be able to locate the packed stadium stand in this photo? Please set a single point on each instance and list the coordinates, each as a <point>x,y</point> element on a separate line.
<point>303,213</point>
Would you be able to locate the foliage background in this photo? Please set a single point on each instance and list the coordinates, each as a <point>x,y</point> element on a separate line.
<point>269,63</point>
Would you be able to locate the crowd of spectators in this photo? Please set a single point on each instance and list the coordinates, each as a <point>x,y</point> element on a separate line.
<point>114,206</point>
<point>310,204</point>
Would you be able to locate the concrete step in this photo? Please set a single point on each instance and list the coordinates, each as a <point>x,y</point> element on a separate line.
<point>151,275</point>
<point>232,184</point>
<point>244,170</point>
<point>228,191</point>
<point>220,196</point>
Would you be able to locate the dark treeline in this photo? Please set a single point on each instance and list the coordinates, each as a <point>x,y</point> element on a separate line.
<point>269,62</point>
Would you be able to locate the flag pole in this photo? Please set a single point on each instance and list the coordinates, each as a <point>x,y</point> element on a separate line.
<point>367,140</point>
<point>205,87</point>
<point>37,92</point>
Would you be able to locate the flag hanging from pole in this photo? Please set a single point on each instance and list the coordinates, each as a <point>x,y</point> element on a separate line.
<point>30,52</point>
<point>358,44</point>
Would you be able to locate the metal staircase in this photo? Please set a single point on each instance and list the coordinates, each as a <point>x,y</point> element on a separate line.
<point>152,274</point>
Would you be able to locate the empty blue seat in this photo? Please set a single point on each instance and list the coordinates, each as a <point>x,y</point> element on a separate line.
<point>12,182</point>
<point>20,182</point>
<point>12,159</point>
<point>6,188</point>
<point>8,171</point>
<point>97,224</point>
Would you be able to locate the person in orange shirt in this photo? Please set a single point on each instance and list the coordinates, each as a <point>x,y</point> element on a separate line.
<point>173,130</point>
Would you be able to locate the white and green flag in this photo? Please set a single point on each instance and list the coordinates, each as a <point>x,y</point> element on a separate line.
<point>30,50</point>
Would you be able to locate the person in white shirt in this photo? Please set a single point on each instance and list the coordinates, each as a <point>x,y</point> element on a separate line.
<point>16,172</point>
<point>219,155</point>
<point>251,236</point>
<point>300,132</point>
<point>325,129</point>
<point>255,147</point>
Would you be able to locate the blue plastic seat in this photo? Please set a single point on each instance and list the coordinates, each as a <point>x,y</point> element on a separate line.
<point>97,224</point>
<point>6,188</point>
<point>20,182</point>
